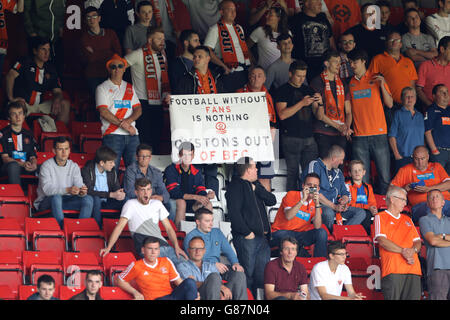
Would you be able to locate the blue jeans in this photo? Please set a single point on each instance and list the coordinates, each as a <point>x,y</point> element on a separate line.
<point>376,148</point>
<point>421,209</point>
<point>58,203</point>
<point>318,237</point>
<point>187,290</point>
<point>123,145</point>
<point>352,215</point>
<point>253,256</point>
<point>109,204</point>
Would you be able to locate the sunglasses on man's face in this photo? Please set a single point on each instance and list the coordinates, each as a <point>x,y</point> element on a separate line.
<point>116,66</point>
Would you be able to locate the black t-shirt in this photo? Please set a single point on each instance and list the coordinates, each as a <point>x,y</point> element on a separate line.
<point>300,124</point>
<point>373,42</point>
<point>18,145</point>
<point>185,181</point>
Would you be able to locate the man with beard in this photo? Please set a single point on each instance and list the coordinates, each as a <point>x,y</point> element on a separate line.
<point>182,64</point>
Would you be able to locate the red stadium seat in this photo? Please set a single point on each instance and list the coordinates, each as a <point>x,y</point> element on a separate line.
<point>115,263</point>
<point>12,236</point>
<point>11,275</point>
<point>45,139</point>
<point>56,271</point>
<point>10,257</point>
<point>79,128</point>
<point>81,158</point>
<point>14,203</point>
<point>40,258</point>
<point>25,291</point>
<point>76,264</point>
<point>310,262</point>
<point>358,265</point>
<point>8,293</point>
<point>114,293</point>
<point>180,234</point>
<point>358,246</point>
<point>44,156</point>
<point>381,202</point>
<point>65,292</point>
<point>89,143</point>
<point>45,234</point>
<point>339,231</point>
<point>84,235</point>
<point>125,242</point>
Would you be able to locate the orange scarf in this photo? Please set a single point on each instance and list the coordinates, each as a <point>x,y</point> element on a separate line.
<point>227,46</point>
<point>332,110</point>
<point>151,76</point>
<point>270,107</point>
<point>170,12</point>
<point>212,83</point>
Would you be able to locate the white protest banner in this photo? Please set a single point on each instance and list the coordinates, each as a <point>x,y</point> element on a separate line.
<point>222,127</point>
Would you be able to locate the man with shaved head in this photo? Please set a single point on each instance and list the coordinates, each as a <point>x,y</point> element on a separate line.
<point>419,177</point>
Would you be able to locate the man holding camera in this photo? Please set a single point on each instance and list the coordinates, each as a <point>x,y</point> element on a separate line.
<point>300,217</point>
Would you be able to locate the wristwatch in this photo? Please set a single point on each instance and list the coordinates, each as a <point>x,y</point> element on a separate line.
<point>443,236</point>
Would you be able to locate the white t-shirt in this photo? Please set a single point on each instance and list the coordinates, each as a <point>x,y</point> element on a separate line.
<point>267,47</point>
<point>144,219</point>
<point>111,96</point>
<point>321,276</point>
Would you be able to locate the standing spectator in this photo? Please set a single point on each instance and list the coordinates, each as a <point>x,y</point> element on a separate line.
<point>117,15</point>
<point>438,23</point>
<point>260,10</point>
<point>45,287</point>
<point>185,185</point>
<point>246,201</point>
<point>97,46</point>
<point>155,276</point>
<point>300,217</point>
<point>277,73</point>
<point>398,70</point>
<point>334,115</point>
<point>143,216</point>
<point>141,168</point>
<point>437,130</point>
<point>265,37</point>
<point>385,10</point>
<point>150,77</point>
<point>346,44</point>
<point>407,129</point>
<point>418,178</point>
<point>410,4</point>
<point>334,195</point>
<point>31,77</point>
<point>295,103</point>
<point>434,228</point>
<point>183,64</point>
<point>119,108</point>
<point>313,36</point>
<point>284,276</point>
<point>399,244</point>
<point>203,13</point>
<point>417,46</point>
<point>328,277</point>
<point>229,50</point>
<point>93,284</point>
<point>368,94</point>
<point>61,185</point>
<point>207,277</point>
<point>433,72</point>
<point>103,183</point>
<point>136,35</point>
<point>17,146</point>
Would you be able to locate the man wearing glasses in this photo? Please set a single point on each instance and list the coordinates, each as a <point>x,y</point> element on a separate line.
<point>119,108</point>
<point>328,277</point>
<point>399,243</point>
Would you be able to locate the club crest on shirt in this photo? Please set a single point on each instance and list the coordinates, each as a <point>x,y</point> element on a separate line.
<point>164,270</point>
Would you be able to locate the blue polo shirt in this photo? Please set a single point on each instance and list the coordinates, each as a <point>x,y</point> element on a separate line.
<point>437,258</point>
<point>437,120</point>
<point>408,130</point>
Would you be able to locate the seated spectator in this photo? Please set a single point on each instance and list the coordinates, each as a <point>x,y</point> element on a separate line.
<point>328,277</point>
<point>136,35</point>
<point>143,216</point>
<point>93,284</point>
<point>433,72</point>
<point>300,217</point>
<point>183,64</point>
<point>361,194</point>
<point>117,15</point>
<point>229,50</point>
<point>417,46</point>
<point>119,108</point>
<point>284,277</point>
<point>435,228</point>
<point>265,37</point>
<point>141,168</point>
<point>97,46</point>
<point>17,146</point>
<point>402,27</point>
<point>407,129</point>
<point>207,277</point>
<point>45,289</point>
<point>334,195</point>
<point>346,44</point>
<point>61,185</point>
<point>277,73</point>
<point>256,79</point>
<point>438,24</point>
<point>32,77</point>
<point>155,275</point>
<point>260,10</point>
<point>103,183</point>
<point>334,114</point>
<point>437,129</point>
<point>398,70</point>
<point>295,104</point>
<point>418,178</point>
<point>185,185</point>
<point>399,244</point>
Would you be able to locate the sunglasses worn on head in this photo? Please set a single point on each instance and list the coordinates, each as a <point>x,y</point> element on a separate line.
<point>116,66</point>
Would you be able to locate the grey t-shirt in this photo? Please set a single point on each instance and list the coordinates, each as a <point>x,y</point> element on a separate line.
<point>423,42</point>
<point>204,13</point>
<point>277,74</point>
<point>135,37</point>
